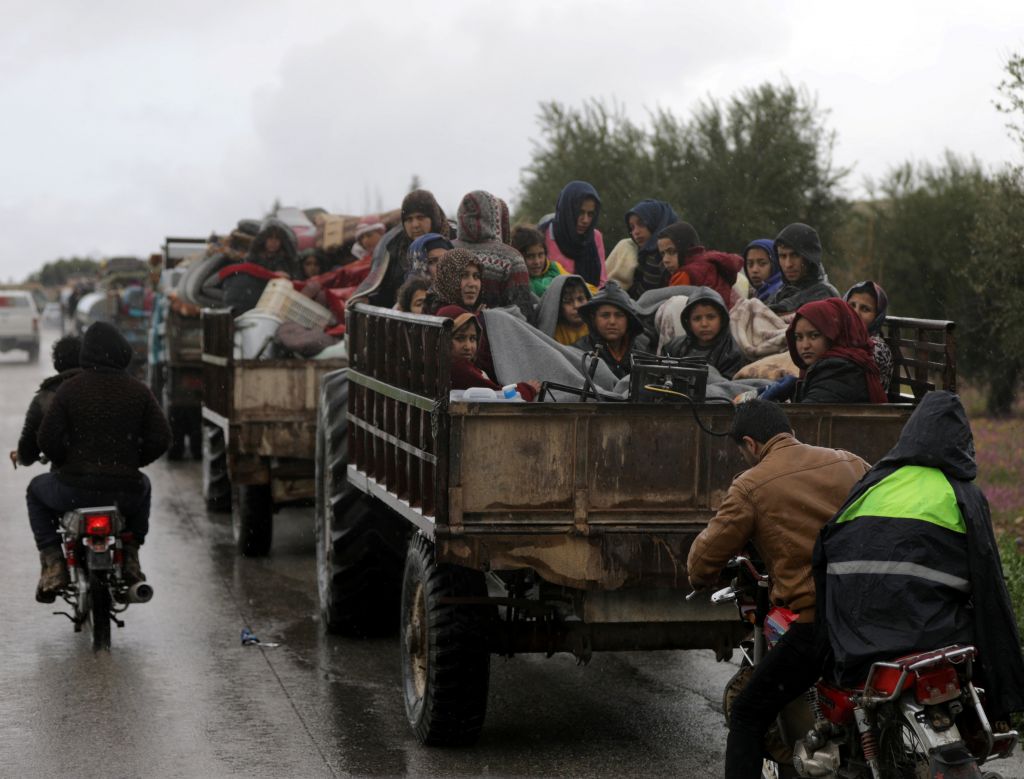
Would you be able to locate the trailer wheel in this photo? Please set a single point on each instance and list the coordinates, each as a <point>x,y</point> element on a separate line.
<point>252,519</point>
<point>360,545</point>
<point>216,483</point>
<point>445,650</point>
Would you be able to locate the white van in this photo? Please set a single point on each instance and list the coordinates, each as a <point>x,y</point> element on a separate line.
<point>19,323</point>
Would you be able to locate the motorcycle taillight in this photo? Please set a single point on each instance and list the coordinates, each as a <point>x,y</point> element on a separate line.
<point>98,525</point>
<point>936,685</point>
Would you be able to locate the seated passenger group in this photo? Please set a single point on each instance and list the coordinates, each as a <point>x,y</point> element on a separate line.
<point>556,277</point>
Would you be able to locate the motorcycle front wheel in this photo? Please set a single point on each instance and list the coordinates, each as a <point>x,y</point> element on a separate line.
<point>99,612</point>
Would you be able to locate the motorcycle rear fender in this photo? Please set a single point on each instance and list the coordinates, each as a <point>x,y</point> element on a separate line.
<point>74,521</point>
<point>100,561</point>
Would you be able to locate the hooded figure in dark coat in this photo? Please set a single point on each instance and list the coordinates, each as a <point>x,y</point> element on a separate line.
<point>722,352</point>
<point>274,250</point>
<point>813,283</point>
<point>910,563</point>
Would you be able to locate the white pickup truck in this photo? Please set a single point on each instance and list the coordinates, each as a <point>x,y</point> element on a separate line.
<point>19,323</point>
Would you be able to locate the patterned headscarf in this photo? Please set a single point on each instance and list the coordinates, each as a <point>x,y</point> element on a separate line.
<point>419,265</point>
<point>448,275</point>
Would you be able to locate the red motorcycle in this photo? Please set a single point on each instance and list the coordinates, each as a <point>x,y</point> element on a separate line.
<point>916,717</point>
<point>98,591</point>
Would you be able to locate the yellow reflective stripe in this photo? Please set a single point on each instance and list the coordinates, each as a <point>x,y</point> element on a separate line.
<point>912,492</point>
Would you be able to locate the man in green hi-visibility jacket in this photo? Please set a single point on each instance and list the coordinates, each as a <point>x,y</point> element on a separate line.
<point>910,563</point>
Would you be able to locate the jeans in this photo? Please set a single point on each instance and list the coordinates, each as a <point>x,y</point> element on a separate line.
<point>785,673</point>
<point>48,498</point>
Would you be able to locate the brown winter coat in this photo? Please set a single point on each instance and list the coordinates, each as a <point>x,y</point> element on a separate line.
<point>780,505</point>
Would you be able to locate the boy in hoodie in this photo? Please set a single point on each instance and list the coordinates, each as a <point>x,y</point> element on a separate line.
<point>688,263</point>
<point>615,329</point>
<point>804,278</point>
<point>274,253</point>
<point>102,427</point>
<point>706,322</point>
<point>483,227</point>
<point>558,314</point>
<point>761,267</point>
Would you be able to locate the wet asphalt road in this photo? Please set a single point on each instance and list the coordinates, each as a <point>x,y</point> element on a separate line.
<point>178,696</point>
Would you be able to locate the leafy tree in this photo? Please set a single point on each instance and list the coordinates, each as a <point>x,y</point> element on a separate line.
<point>595,143</point>
<point>57,273</point>
<point>1012,90</point>
<point>736,170</point>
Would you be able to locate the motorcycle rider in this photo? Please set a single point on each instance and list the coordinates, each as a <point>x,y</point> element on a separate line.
<point>914,540</point>
<point>779,505</point>
<point>102,426</point>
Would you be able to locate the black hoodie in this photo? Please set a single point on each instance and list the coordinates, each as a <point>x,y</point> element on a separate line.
<point>938,436</point>
<point>613,295</point>
<point>103,425</point>
<point>814,286</point>
<point>722,353</point>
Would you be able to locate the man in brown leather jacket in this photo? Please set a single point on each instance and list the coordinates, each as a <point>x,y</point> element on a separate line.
<point>780,505</point>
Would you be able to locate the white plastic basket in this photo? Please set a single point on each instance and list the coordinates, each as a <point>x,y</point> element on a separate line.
<point>281,300</point>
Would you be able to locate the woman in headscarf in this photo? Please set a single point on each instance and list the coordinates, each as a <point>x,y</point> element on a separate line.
<point>457,282</point>
<point>572,237</point>
<point>635,262</point>
<point>830,345</point>
<point>870,302</point>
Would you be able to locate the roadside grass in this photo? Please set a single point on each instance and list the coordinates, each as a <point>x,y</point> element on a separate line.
<point>999,444</point>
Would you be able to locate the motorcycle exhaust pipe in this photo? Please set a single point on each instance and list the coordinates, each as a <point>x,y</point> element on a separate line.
<point>140,592</point>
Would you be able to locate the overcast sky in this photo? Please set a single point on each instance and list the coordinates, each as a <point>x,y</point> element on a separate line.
<point>124,122</point>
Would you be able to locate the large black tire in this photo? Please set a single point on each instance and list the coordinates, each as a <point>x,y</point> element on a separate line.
<point>177,449</point>
<point>99,612</point>
<point>216,483</point>
<point>360,544</point>
<point>445,649</point>
<point>252,519</point>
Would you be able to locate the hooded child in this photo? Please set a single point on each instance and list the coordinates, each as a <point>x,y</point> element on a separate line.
<point>571,235</point>
<point>483,224</point>
<point>467,334</point>
<point>687,263</point>
<point>705,320</point>
<point>871,303</point>
<point>804,279</point>
<point>761,267</point>
<point>425,252</point>
<point>829,344</point>
<point>274,253</point>
<point>420,215</point>
<point>615,329</point>
<point>914,541</point>
<point>643,222</point>
<point>529,242</point>
<point>558,314</point>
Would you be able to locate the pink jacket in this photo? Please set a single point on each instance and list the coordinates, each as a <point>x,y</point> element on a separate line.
<point>555,254</point>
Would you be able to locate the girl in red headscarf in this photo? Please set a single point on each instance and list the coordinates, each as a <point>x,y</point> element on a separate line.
<point>831,347</point>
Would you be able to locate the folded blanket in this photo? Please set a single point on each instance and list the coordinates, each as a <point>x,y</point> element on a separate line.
<point>757,330</point>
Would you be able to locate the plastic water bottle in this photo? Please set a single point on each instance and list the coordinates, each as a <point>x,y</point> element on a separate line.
<point>510,393</point>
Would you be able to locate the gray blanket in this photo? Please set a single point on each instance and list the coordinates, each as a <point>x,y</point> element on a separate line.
<point>521,352</point>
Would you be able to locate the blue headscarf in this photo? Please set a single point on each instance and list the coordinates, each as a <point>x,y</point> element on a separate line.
<point>418,263</point>
<point>656,214</point>
<point>775,281</point>
<point>581,249</point>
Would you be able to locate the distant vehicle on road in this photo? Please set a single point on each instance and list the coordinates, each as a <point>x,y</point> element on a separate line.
<point>19,323</point>
<point>52,316</point>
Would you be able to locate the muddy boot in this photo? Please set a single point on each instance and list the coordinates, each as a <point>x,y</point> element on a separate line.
<point>54,576</point>
<point>130,563</point>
